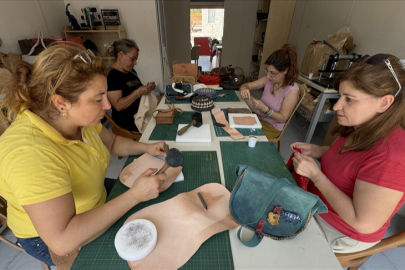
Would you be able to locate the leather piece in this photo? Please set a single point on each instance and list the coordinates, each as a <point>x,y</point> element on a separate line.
<point>131,172</point>
<point>245,120</point>
<point>220,118</point>
<point>231,110</point>
<point>183,225</point>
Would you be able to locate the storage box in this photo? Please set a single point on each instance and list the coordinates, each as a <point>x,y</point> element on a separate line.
<point>317,53</point>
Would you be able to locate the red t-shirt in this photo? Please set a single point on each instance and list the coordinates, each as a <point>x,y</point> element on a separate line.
<point>382,165</point>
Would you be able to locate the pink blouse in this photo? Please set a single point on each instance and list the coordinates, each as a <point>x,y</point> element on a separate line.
<point>274,102</point>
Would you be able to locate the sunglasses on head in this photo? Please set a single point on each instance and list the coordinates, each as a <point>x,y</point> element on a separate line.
<point>85,56</point>
<point>377,59</point>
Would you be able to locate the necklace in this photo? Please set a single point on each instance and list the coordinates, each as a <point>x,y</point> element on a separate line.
<point>126,69</point>
<point>272,91</point>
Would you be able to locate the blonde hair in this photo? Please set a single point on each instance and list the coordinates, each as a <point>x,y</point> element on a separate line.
<point>54,72</point>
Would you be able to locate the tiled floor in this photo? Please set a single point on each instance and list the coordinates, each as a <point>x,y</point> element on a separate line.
<point>11,258</point>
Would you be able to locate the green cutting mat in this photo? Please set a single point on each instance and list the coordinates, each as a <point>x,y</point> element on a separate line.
<point>231,97</point>
<point>168,132</point>
<point>263,157</point>
<point>199,168</point>
<point>220,132</point>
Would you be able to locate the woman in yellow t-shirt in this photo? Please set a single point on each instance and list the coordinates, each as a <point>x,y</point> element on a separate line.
<point>55,154</point>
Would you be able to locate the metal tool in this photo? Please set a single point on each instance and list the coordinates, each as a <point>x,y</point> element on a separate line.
<point>202,200</point>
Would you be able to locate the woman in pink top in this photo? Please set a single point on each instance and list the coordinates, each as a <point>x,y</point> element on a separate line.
<point>361,179</point>
<point>280,94</point>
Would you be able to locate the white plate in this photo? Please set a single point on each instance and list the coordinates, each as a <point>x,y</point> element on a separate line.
<point>233,125</point>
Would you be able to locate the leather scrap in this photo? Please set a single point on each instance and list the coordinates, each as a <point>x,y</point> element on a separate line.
<point>245,120</point>
<point>220,118</point>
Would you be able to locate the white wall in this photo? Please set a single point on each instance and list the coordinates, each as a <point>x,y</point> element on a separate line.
<point>139,21</point>
<point>239,26</point>
<point>377,25</point>
<point>24,19</point>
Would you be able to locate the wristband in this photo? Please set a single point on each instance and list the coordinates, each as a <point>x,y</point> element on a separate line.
<point>272,111</point>
<point>266,112</point>
<point>320,180</point>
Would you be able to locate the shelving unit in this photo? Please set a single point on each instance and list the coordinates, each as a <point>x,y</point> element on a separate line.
<point>99,37</point>
<point>276,29</point>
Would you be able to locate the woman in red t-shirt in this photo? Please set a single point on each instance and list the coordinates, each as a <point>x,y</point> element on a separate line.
<point>361,179</point>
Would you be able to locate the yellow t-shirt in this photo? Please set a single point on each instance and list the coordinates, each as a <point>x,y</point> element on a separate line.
<point>38,164</point>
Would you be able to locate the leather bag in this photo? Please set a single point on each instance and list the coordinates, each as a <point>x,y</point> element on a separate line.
<point>271,206</point>
<point>212,79</point>
<point>185,69</point>
<point>166,116</point>
<point>170,92</point>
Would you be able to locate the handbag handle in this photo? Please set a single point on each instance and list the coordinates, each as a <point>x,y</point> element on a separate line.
<point>257,238</point>
<point>40,39</point>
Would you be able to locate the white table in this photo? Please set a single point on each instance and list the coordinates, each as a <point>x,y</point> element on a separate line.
<point>309,250</point>
<point>326,93</point>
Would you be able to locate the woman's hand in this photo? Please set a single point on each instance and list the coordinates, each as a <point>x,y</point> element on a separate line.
<point>244,92</point>
<point>258,104</point>
<point>144,90</point>
<point>151,86</point>
<point>306,166</point>
<point>156,149</point>
<point>311,150</point>
<point>146,186</point>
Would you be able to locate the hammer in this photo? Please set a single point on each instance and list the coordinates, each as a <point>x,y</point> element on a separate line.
<point>197,122</point>
<point>174,159</point>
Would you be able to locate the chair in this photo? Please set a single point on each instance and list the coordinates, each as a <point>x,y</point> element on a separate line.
<point>122,132</point>
<point>8,242</point>
<point>195,53</point>
<point>354,260</point>
<point>278,139</point>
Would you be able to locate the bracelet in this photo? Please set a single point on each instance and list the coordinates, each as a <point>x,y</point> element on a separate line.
<point>272,111</point>
<point>320,180</point>
<point>136,91</point>
<point>266,112</point>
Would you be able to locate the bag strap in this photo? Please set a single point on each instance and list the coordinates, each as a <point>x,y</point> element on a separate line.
<point>257,238</point>
<point>40,39</point>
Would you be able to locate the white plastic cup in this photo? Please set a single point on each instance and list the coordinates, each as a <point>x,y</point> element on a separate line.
<point>252,141</point>
<point>310,75</point>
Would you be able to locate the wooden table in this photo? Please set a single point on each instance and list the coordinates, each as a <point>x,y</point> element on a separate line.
<point>309,250</point>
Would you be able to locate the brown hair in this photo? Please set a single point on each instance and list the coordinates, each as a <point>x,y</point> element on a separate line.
<point>283,59</point>
<point>53,72</point>
<point>375,80</point>
<point>124,45</point>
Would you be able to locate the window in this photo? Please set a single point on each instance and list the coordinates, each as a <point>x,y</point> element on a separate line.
<point>211,16</point>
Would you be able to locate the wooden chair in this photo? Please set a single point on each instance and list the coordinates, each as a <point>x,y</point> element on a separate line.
<point>278,139</point>
<point>136,136</point>
<point>354,260</point>
<point>8,242</point>
<point>195,53</point>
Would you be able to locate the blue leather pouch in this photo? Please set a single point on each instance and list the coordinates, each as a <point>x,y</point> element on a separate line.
<point>270,206</point>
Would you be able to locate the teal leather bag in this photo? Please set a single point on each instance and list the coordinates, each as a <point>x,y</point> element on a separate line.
<point>270,206</point>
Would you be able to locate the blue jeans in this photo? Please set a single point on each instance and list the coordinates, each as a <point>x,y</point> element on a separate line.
<point>36,248</point>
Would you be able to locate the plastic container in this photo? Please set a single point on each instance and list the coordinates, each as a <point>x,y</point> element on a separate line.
<point>136,239</point>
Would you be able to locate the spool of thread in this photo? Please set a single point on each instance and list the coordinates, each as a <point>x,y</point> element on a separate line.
<point>136,239</point>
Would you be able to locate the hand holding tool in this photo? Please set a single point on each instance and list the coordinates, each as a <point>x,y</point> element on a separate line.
<point>196,121</point>
<point>174,159</point>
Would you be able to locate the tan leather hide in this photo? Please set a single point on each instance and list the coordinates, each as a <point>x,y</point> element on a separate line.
<point>244,120</point>
<point>220,118</point>
<point>131,172</point>
<point>183,224</point>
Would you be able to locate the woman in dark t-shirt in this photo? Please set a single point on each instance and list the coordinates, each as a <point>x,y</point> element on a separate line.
<point>124,87</point>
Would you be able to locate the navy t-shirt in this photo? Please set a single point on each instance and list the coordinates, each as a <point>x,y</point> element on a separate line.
<point>127,83</point>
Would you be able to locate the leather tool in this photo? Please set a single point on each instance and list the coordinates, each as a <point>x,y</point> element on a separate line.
<point>174,159</point>
<point>197,122</point>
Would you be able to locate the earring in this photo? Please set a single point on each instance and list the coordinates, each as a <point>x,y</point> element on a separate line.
<point>64,114</point>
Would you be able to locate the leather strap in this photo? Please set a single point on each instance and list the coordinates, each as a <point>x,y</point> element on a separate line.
<point>220,118</point>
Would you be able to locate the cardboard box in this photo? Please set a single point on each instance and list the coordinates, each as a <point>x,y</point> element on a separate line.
<point>317,53</point>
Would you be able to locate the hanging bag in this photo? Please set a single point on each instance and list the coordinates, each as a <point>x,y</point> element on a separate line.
<point>271,206</point>
<point>31,56</point>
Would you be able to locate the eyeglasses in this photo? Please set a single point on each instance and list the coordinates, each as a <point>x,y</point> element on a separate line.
<point>377,59</point>
<point>272,74</point>
<point>85,56</point>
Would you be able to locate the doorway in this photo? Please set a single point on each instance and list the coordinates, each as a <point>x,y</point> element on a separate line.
<point>206,31</point>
